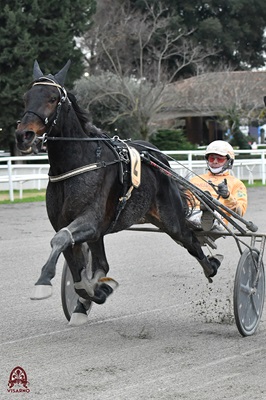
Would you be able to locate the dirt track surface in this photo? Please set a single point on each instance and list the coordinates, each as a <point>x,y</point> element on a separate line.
<point>165,334</point>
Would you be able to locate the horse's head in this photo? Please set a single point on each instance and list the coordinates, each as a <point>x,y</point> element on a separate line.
<point>42,106</point>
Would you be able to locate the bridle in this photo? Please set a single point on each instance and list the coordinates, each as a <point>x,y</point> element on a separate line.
<point>63,98</point>
<point>47,120</point>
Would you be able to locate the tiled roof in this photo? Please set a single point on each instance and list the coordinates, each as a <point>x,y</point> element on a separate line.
<point>214,93</point>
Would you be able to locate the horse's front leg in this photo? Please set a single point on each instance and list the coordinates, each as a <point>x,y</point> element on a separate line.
<point>79,231</point>
<point>93,286</point>
<point>99,287</point>
<point>43,286</point>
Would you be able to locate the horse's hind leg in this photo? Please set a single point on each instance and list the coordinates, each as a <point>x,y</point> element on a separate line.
<point>173,222</point>
<point>210,265</point>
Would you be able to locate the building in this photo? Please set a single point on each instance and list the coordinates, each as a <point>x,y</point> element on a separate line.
<point>200,104</point>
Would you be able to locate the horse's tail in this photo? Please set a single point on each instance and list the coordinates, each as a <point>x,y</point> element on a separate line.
<point>188,200</point>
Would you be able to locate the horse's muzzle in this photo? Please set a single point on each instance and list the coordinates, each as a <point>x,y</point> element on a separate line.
<point>25,140</point>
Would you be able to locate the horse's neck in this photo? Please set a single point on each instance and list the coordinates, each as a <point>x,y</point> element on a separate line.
<point>69,126</point>
<point>65,155</point>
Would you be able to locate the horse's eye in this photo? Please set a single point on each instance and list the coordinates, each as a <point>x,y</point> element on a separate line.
<point>52,100</point>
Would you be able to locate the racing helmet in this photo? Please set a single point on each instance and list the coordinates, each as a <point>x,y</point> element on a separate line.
<point>221,148</point>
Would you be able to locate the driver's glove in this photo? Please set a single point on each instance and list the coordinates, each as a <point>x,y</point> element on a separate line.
<point>223,190</point>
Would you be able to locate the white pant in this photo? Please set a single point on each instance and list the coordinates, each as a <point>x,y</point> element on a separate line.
<point>195,219</point>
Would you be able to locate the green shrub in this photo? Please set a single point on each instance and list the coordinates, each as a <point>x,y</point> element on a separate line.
<point>239,140</point>
<point>171,139</point>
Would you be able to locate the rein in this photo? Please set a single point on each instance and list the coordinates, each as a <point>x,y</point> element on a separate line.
<point>56,138</point>
<point>211,203</point>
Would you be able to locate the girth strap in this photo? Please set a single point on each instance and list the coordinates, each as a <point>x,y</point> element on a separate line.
<point>120,207</point>
<point>81,170</point>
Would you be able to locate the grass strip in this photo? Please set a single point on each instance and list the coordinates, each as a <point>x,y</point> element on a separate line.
<point>32,195</point>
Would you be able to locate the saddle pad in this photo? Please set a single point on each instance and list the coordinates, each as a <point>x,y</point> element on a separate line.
<point>135,166</point>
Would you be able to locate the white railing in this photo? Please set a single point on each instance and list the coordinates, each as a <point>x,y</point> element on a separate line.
<point>249,169</point>
<point>12,174</point>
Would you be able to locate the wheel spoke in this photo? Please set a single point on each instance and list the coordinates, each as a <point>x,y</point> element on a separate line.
<point>245,288</point>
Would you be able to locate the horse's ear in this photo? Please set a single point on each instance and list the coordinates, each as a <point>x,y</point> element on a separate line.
<point>61,75</point>
<point>37,72</point>
<point>264,98</point>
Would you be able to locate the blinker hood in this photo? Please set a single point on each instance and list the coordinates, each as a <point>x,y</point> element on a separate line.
<point>58,78</point>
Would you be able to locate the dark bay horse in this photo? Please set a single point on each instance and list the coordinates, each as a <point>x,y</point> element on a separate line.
<point>90,191</point>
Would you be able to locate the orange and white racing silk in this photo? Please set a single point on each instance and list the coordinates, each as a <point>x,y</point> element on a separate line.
<point>237,200</point>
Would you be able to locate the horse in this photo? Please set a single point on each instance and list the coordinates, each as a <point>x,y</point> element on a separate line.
<point>97,185</point>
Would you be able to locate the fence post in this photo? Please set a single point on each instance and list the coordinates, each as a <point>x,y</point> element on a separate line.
<point>11,190</point>
<point>263,167</point>
<point>190,160</point>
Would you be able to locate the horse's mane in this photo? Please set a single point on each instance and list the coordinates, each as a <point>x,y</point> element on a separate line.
<point>84,118</point>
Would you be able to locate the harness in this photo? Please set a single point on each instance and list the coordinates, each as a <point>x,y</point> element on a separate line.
<point>124,155</point>
<point>127,157</point>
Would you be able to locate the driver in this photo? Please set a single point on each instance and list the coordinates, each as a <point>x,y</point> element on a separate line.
<point>230,191</point>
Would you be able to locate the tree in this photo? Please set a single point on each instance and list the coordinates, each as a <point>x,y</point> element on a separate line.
<point>31,29</point>
<point>127,73</point>
<point>234,28</point>
<point>129,42</point>
<point>159,42</point>
<point>120,105</point>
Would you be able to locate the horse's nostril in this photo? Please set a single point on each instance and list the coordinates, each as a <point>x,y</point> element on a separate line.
<point>28,135</point>
<point>25,141</point>
<point>25,136</point>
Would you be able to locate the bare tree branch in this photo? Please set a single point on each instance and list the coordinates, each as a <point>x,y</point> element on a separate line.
<point>139,61</point>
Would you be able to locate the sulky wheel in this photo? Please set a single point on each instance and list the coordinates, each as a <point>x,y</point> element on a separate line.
<point>248,299</point>
<point>69,297</point>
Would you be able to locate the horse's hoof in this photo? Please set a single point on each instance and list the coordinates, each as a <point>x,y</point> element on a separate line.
<point>41,292</point>
<point>215,263</point>
<point>104,288</point>
<point>109,282</point>
<point>219,258</point>
<point>78,319</point>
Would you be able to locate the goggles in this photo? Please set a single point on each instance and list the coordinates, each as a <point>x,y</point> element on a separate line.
<point>220,159</point>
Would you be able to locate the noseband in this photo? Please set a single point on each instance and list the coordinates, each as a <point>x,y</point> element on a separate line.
<point>44,120</point>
